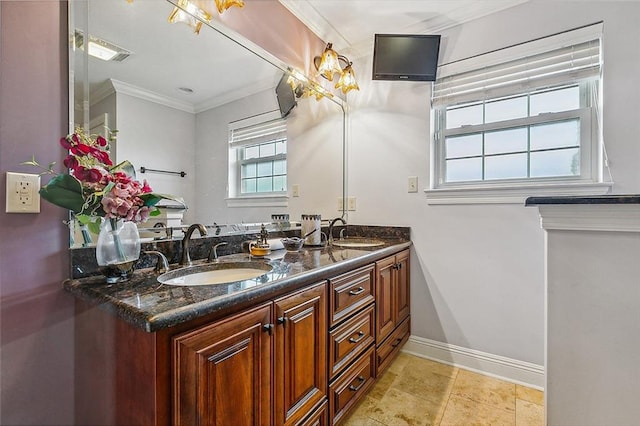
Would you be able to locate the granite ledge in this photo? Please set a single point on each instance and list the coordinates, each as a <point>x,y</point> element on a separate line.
<point>596,199</point>
<point>144,304</point>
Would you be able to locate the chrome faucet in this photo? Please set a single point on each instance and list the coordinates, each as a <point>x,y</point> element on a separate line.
<point>331,225</point>
<point>213,254</point>
<point>185,259</point>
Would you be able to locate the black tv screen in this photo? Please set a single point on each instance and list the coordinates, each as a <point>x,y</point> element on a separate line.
<point>285,95</point>
<point>405,57</point>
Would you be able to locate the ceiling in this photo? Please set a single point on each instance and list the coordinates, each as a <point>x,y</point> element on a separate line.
<point>351,24</point>
<point>218,70</point>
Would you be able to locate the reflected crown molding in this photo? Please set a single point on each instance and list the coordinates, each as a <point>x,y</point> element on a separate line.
<point>115,86</point>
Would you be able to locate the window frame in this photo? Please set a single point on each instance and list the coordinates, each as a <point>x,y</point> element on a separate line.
<point>241,162</point>
<point>588,134</point>
<point>235,197</point>
<point>456,86</point>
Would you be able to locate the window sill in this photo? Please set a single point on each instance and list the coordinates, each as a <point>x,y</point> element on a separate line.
<point>512,194</point>
<point>259,201</point>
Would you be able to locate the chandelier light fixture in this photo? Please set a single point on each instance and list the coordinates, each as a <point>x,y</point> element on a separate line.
<point>223,5</point>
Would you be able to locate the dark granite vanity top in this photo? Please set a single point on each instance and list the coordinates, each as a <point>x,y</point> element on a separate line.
<point>595,199</point>
<point>145,303</point>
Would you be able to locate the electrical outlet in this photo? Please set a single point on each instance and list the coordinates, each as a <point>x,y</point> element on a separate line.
<point>295,189</point>
<point>413,184</point>
<point>340,204</point>
<point>351,204</point>
<point>22,193</point>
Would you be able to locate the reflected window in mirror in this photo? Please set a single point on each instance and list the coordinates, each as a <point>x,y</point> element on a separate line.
<point>258,156</point>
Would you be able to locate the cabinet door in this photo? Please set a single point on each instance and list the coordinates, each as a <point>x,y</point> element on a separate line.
<point>300,353</point>
<point>402,290</point>
<point>222,371</point>
<point>385,298</point>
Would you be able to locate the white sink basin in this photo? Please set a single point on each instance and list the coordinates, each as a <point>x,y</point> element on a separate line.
<point>358,243</point>
<point>216,273</point>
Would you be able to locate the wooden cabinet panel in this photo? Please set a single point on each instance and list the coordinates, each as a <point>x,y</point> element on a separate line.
<point>385,298</point>
<point>319,417</point>
<point>300,353</point>
<point>403,288</point>
<point>349,387</point>
<point>390,347</point>
<point>350,292</point>
<point>348,340</point>
<point>222,372</point>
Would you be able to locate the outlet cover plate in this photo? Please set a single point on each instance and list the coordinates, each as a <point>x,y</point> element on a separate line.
<point>22,193</point>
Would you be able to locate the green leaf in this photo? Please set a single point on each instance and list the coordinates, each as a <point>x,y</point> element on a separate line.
<point>125,167</point>
<point>94,227</point>
<point>152,198</point>
<point>155,212</point>
<point>64,191</point>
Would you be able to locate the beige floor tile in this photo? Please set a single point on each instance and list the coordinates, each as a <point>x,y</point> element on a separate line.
<point>398,408</point>
<point>486,390</point>
<point>529,394</point>
<point>529,414</point>
<point>425,385</point>
<point>382,385</point>
<point>464,412</point>
<point>416,366</point>
<point>398,364</point>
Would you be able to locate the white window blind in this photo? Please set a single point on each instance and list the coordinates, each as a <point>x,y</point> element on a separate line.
<point>257,133</point>
<point>466,81</point>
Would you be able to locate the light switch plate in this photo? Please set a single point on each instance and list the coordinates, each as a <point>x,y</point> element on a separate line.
<point>412,184</point>
<point>22,193</point>
<point>295,189</point>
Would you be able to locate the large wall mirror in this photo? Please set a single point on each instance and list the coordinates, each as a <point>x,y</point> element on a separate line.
<point>173,96</point>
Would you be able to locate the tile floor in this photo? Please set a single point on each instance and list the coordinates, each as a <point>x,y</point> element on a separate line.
<point>417,391</point>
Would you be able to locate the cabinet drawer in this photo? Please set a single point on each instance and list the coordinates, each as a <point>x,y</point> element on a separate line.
<point>349,339</point>
<point>351,385</point>
<point>319,416</point>
<point>350,292</point>
<point>391,346</point>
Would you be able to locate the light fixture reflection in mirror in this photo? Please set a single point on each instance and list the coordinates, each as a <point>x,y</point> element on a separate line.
<point>190,18</point>
<point>223,5</point>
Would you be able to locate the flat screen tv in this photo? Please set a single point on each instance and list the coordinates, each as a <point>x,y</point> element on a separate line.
<point>285,95</point>
<point>405,57</point>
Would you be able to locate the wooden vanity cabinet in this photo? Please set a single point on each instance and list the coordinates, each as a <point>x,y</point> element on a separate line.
<point>222,372</point>
<point>392,306</point>
<point>351,339</point>
<point>263,366</point>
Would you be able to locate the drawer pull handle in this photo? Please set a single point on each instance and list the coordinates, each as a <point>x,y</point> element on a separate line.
<point>398,340</point>
<point>356,292</point>
<point>357,339</point>
<point>357,388</point>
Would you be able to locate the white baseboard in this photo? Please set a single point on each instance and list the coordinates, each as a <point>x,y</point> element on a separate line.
<point>511,370</point>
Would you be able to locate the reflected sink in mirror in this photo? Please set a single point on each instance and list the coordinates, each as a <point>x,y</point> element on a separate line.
<point>358,243</point>
<point>215,273</point>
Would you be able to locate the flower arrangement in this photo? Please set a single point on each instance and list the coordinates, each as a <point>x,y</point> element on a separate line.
<point>94,187</point>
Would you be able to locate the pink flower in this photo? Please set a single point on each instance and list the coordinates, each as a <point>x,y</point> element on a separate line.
<point>101,141</point>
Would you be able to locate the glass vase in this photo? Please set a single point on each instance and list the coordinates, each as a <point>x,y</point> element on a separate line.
<point>118,249</point>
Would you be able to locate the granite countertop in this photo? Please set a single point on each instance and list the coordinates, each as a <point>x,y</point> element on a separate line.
<point>145,303</point>
<point>594,199</point>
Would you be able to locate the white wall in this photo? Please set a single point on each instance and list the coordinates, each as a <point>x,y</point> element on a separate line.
<point>314,144</point>
<point>158,137</point>
<point>477,270</point>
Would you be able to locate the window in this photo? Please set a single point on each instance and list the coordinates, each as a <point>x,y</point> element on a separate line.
<point>523,116</point>
<point>258,158</point>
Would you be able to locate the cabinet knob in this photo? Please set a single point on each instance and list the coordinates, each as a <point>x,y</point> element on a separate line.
<point>268,328</point>
<point>282,320</point>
